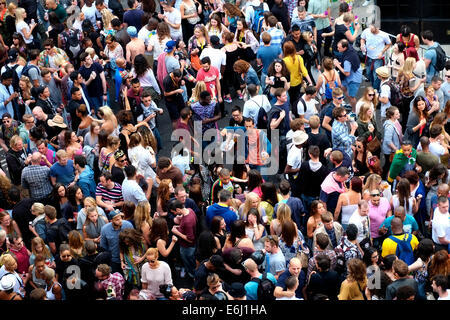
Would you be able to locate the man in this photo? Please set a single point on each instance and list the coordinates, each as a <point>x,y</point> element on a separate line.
<point>62,171</point>
<point>400,243</point>
<point>55,95</point>
<point>222,208</point>
<point>136,46</point>
<point>181,195</point>
<point>291,286</point>
<point>402,279</point>
<point>436,83</point>
<point>78,82</point>
<point>185,231</point>
<point>441,225</point>
<point>306,106</point>
<point>43,100</point>
<point>257,146</point>
<point>266,54</point>
<point>333,186</point>
<point>379,209</point>
<point>172,17</point>
<point>17,159</point>
<point>257,105</point>
<point>133,16</point>
<point>207,111</point>
<point>225,182</point>
<point>108,193</point>
<point>409,223</point>
<point>110,281</point>
<point>90,12</point>
<point>134,96</point>
<point>211,76</point>
<point>251,10</point>
<point>8,129</point>
<point>360,218</point>
<point>118,168</point>
<point>440,286</point>
<point>48,123</point>
<point>121,32</point>
<point>109,237</point>
<point>350,67</point>
<point>13,64</point>
<point>131,190</point>
<point>74,103</point>
<point>275,263</point>
<point>295,204</point>
<point>48,156</point>
<point>317,9</point>
<point>425,159</point>
<point>94,76</point>
<point>322,247</point>
<point>277,35</point>
<point>325,281</point>
<point>48,56</point>
<point>318,138</point>
<point>437,145</point>
<point>52,229</point>
<point>7,94</point>
<point>218,58</point>
<point>331,228</point>
<point>404,160</point>
<point>295,157</point>
<point>385,91</point>
<point>430,57</point>
<point>374,43</point>
<point>214,264</point>
<point>36,179</point>
<point>294,269</point>
<point>446,87</point>
<point>348,248</point>
<point>58,9</point>
<point>165,170</point>
<point>326,115</point>
<point>84,176</point>
<point>281,11</point>
<point>31,69</point>
<point>251,287</point>
<point>148,31</point>
<point>173,94</point>
<point>305,22</point>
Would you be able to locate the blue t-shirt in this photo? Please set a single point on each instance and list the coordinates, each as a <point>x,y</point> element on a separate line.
<point>301,282</point>
<point>63,174</point>
<point>267,55</point>
<point>355,76</point>
<point>251,287</point>
<point>109,239</point>
<point>409,225</point>
<point>431,55</point>
<point>219,210</point>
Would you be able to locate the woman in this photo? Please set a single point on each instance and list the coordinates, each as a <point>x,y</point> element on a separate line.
<point>342,31</point>
<point>246,75</point>
<point>417,125</point>
<point>143,71</point>
<point>255,181</point>
<point>86,119</point>
<point>38,246</point>
<point>110,123</point>
<point>431,100</point>
<point>132,255</point>
<point>74,144</point>
<point>252,200</point>
<point>311,54</point>
<point>200,86</point>
<point>297,70</point>
<point>93,225</point>
<point>54,290</point>
<point>404,198</point>
<point>164,193</point>
<point>125,118</point>
<point>292,243</point>
<point>76,244</point>
<point>283,214</point>
<point>371,258</point>
<point>392,136</point>
<point>105,158</point>
<point>25,100</point>
<point>277,76</point>
<point>159,238</point>
<point>269,199</point>
<point>215,26</point>
<point>215,288</point>
<point>396,60</point>
<point>233,53</point>
<point>189,18</point>
<point>386,266</point>
<point>8,224</point>
<point>348,202</point>
<point>367,129</point>
<point>113,51</point>
<point>408,84</point>
<point>155,273</point>
<point>314,220</point>
<point>196,44</point>
<point>440,264</point>
<point>88,202</point>
<point>369,96</point>
<point>254,229</point>
<point>419,268</point>
<point>19,44</point>
<point>141,158</point>
<point>35,278</point>
<point>55,28</point>
<point>9,266</point>
<point>354,286</point>
<point>232,16</point>
<point>327,80</point>
<point>238,238</point>
<point>157,43</point>
<point>74,205</point>
<point>219,230</point>
<point>360,157</point>
<point>26,30</point>
<point>207,245</point>
<point>143,221</point>
<point>91,138</point>
<point>60,199</point>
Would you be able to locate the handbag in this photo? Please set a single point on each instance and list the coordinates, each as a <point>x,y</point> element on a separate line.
<point>373,145</point>
<point>195,62</point>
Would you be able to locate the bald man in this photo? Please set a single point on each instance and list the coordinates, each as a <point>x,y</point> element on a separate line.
<point>42,121</point>
<point>394,242</point>
<point>36,179</point>
<point>251,287</point>
<point>294,269</point>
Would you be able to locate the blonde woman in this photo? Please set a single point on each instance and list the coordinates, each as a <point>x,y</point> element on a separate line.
<point>155,273</point>
<point>107,17</point>
<point>110,124</point>
<point>369,96</point>
<point>200,86</point>
<point>89,202</point>
<point>54,288</point>
<point>9,266</point>
<point>252,200</point>
<point>76,244</point>
<point>23,28</point>
<point>283,214</point>
<point>37,226</point>
<point>374,182</point>
<point>141,157</point>
<point>38,246</point>
<point>142,220</point>
<point>106,159</point>
<point>93,225</point>
<point>25,98</point>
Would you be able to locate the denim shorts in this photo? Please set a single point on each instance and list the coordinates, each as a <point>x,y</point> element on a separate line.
<point>352,88</point>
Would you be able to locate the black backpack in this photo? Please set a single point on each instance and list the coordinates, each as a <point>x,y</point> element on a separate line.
<point>62,228</point>
<point>441,58</point>
<point>72,42</point>
<point>265,288</point>
<point>396,98</point>
<point>15,82</point>
<point>27,68</point>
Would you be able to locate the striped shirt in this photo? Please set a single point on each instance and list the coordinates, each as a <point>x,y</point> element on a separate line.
<point>36,178</point>
<point>113,195</point>
<point>277,37</point>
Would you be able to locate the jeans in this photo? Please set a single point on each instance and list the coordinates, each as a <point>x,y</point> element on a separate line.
<point>371,67</point>
<point>158,138</point>
<point>327,44</point>
<point>96,102</point>
<point>188,258</point>
<point>263,80</point>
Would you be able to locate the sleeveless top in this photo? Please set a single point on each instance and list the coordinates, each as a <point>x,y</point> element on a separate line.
<point>347,211</point>
<point>339,34</point>
<point>40,283</point>
<point>103,161</point>
<point>421,275</point>
<point>410,43</point>
<point>396,203</point>
<point>189,11</point>
<point>326,88</point>
<point>49,293</point>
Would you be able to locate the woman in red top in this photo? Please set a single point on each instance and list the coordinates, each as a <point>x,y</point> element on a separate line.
<point>408,38</point>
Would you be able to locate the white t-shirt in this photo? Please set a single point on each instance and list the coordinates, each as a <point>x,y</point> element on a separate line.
<point>90,13</point>
<point>375,43</point>
<point>143,34</point>
<point>447,297</point>
<point>310,109</point>
<point>441,226</point>
<point>217,56</point>
<point>174,17</point>
<point>20,26</point>
<point>294,158</point>
<point>385,92</point>
<point>158,47</point>
<point>362,223</point>
<point>437,149</point>
<point>252,106</point>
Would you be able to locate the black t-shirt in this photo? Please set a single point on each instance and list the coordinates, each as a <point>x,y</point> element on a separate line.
<point>278,83</point>
<point>61,267</point>
<point>94,35</point>
<point>169,86</point>
<point>320,140</point>
<point>21,214</point>
<point>327,283</point>
<point>117,175</point>
<point>95,88</point>
<point>234,123</point>
<point>298,45</point>
<point>72,108</point>
<point>282,14</point>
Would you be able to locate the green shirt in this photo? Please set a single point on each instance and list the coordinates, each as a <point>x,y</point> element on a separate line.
<point>319,7</point>
<point>60,13</point>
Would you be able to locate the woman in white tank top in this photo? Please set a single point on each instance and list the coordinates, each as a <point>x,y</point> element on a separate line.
<point>404,198</point>
<point>348,202</point>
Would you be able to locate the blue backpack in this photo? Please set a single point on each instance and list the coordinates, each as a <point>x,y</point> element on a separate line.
<point>404,249</point>
<point>258,18</point>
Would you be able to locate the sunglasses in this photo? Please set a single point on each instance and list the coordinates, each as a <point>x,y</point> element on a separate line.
<point>122,160</point>
<point>65,256</point>
<point>6,121</point>
<point>371,94</point>
<point>375,195</point>
<point>343,115</point>
<point>340,98</point>
<point>447,75</point>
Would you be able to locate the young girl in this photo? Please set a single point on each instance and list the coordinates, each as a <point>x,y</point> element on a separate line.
<point>38,246</point>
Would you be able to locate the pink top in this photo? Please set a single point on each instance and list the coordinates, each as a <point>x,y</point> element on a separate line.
<point>377,216</point>
<point>51,157</point>
<point>258,191</point>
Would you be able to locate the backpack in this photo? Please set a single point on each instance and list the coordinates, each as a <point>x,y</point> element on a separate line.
<point>258,18</point>
<point>329,86</point>
<point>15,82</point>
<point>404,249</point>
<point>62,228</point>
<point>270,115</point>
<point>28,67</point>
<point>265,288</point>
<point>341,262</point>
<point>295,107</point>
<point>441,58</point>
<point>396,98</point>
<point>72,42</point>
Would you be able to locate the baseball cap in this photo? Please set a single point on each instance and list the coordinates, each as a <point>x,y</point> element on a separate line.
<point>170,45</point>
<point>113,214</point>
<point>237,290</point>
<point>132,32</point>
<point>12,54</point>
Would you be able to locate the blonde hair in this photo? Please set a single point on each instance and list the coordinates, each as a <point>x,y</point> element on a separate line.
<point>8,261</point>
<point>14,140</point>
<point>38,207</point>
<point>363,112</point>
<point>27,81</point>
<point>48,274</point>
<point>39,241</point>
<point>108,114</point>
<point>107,16</point>
<point>91,201</point>
<point>75,240</point>
<point>11,7</point>
<point>371,181</point>
<point>200,86</point>
<point>213,278</point>
<point>19,14</point>
<point>283,213</point>
<point>142,214</point>
<point>152,252</point>
<point>248,204</point>
<point>408,67</point>
<point>61,154</point>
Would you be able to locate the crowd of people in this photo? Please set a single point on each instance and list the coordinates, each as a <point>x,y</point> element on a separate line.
<point>356,123</point>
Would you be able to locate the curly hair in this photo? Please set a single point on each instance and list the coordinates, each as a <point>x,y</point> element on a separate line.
<point>241,66</point>
<point>148,139</point>
<point>140,65</point>
<point>284,69</point>
<point>132,236</point>
<point>159,230</point>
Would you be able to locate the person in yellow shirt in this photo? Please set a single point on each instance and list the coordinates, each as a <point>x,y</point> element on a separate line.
<point>354,286</point>
<point>297,70</point>
<point>390,246</point>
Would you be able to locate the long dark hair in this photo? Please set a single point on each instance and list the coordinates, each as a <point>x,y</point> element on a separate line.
<point>364,143</point>
<point>159,230</point>
<point>140,65</point>
<point>254,179</point>
<point>284,70</point>
<point>269,193</point>
<point>437,171</point>
<point>72,198</point>
<point>237,230</point>
<point>215,224</point>
<point>134,238</point>
<point>55,194</point>
<point>415,108</point>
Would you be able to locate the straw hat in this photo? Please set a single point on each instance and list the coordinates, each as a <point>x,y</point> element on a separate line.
<point>57,121</point>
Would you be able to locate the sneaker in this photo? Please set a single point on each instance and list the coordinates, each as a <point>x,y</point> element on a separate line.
<point>366,3</point>
<point>227,99</point>
<point>182,273</point>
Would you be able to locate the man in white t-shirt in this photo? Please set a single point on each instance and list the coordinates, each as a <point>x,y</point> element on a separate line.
<point>360,218</point>
<point>253,105</point>
<point>217,56</point>
<point>437,145</point>
<point>440,286</point>
<point>385,94</point>
<point>306,106</point>
<point>441,225</point>
<point>172,17</point>
<point>295,155</point>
